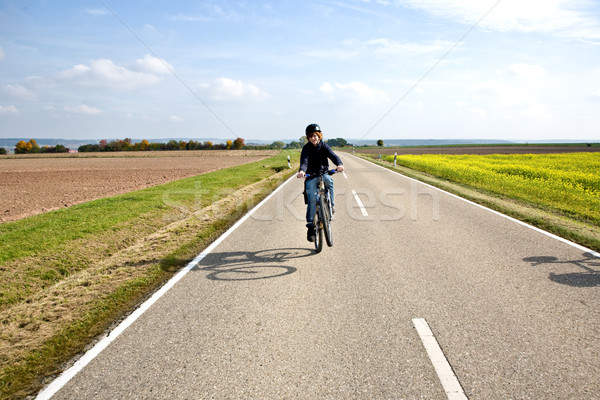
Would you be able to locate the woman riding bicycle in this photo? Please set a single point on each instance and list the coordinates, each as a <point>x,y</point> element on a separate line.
<point>314,161</point>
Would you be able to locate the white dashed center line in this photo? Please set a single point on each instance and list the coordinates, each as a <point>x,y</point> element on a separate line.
<point>363,210</point>
<point>444,371</point>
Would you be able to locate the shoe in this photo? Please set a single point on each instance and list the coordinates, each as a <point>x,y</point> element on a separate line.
<point>310,234</point>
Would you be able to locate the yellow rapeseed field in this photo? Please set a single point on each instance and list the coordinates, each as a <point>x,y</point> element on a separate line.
<point>565,183</point>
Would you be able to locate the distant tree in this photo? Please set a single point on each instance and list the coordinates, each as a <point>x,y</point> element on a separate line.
<point>208,144</point>
<point>294,145</point>
<point>144,145</point>
<point>113,145</point>
<point>229,144</point>
<point>155,146</point>
<point>380,143</point>
<point>27,147</point>
<point>277,145</point>
<point>238,143</point>
<point>103,143</point>
<point>21,147</point>
<point>86,148</point>
<point>127,144</point>
<point>59,148</point>
<point>33,146</point>
<point>191,145</point>
<point>339,142</point>
<point>172,145</point>
<point>3,151</point>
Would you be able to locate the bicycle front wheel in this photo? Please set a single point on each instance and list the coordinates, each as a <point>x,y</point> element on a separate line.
<point>326,219</point>
<point>318,234</point>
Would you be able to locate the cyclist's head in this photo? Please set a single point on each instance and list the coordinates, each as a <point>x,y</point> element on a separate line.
<point>313,129</point>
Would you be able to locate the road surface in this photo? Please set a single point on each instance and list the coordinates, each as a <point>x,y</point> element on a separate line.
<point>515,312</point>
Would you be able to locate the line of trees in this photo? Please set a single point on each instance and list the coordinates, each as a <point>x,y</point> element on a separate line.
<point>31,146</point>
<point>127,145</point>
<point>337,142</point>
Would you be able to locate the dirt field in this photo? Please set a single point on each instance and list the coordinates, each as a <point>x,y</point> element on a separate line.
<point>531,149</point>
<point>36,184</point>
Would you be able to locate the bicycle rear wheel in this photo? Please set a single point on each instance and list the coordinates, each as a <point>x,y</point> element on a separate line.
<point>326,219</point>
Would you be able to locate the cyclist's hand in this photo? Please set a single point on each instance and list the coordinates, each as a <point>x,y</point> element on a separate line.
<point>340,168</point>
<point>301,174</point>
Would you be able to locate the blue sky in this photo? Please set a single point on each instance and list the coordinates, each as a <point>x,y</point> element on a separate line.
<point>520,70</point>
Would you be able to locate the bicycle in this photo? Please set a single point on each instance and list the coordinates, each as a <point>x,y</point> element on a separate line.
<point>324,212</point>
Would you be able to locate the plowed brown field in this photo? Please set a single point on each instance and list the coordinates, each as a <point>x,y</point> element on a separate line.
<point>36,184</point>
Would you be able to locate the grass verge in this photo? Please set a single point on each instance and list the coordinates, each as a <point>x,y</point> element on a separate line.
<point>67,276</point>
<point>539,215</point>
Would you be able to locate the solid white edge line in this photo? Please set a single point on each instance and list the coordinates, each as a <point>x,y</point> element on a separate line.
<point>449,381</point>
<point>573,244</point>
<point>67,375</point>
<point>363,210</point>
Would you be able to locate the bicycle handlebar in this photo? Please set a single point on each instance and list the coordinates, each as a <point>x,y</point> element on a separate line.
<point>330,172</point>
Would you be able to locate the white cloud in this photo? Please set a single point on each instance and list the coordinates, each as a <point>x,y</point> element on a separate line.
<point>151,65</point>
<point>569,18</point>
<point>175,118</point>
<point>326,87</point>
<point>82,109</point>
<point>514,100</point>
<point>105,73</point>
<point>8,109</point>
<point>224,89</point>
<point>1,53</point>
<point>19,92</point>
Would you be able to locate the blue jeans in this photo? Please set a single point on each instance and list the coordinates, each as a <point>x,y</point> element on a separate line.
<point>311,192</point>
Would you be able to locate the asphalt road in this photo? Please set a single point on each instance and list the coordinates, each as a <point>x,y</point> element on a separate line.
<point>515,312</point>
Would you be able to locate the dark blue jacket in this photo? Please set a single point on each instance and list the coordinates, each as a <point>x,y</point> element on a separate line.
<point>314,159</point>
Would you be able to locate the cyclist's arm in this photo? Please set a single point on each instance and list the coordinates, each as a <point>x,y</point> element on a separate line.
<point>303,160</point>
<point>334,158</point>
<point>303,163</point>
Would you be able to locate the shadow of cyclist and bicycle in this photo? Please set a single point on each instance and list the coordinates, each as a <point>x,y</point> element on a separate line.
<point>266,264</point>
<point>251,265</point>
<point>587,276</point>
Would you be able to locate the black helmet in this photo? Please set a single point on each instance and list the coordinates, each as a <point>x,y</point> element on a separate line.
<point>312,128</point>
